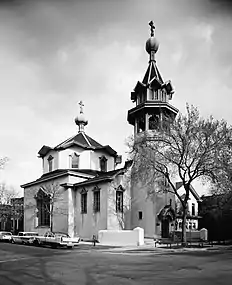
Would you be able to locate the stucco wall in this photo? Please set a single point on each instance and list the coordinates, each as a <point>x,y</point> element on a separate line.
<point>64,208</point>
<point>88,159</point>
<point>90,223</point>
<point>55,162</point>
<point>84,160</point>
<point>117,220</point>
<point>124,238</point>
<point>95,164</point>
<point>150,204</point>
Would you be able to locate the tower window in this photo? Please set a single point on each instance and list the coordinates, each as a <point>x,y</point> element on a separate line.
<point>96,201</point>
<point>119,201</point>
<point>84,203</point>
<point>140,215</point>
<point>103,163</point>
<point>75,160</point>
<point>153,122</point>
<point>50,163</point>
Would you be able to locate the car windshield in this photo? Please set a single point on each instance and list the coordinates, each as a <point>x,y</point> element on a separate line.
<point>6,233</point>
<point>31,234</point>
<point>61,235</point>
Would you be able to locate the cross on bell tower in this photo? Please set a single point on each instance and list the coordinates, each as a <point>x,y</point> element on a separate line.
<point>152,95</point>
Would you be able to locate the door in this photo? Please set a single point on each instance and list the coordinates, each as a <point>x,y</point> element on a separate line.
<point>165,228</point>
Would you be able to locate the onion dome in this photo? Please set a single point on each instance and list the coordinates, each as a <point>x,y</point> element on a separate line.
<point>152,43</point>
<point>80,119</point>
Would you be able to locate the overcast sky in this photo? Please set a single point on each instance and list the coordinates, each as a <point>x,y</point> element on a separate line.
<point>55,53</point>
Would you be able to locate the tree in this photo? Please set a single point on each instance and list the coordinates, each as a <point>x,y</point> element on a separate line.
<point>7,193</point>
<point>187,148</point>
<point>3,161</point>
<point>120,199</point>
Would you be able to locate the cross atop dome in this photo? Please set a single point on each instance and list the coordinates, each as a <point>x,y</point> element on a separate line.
<point>80,119</point>
<point>152,25</point>
<point>81,106</point>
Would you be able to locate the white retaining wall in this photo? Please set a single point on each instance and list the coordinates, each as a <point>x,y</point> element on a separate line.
<point>122,238</point>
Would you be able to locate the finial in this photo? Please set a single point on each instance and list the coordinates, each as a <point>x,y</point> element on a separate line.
<point>80,120</point>
<point>81,106</point>
<point>152,25</point>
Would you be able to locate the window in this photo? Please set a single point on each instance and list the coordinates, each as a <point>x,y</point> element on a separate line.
<point>119,201</point>
<point>103,163</point>
<point>140,215</point>
<point>50,163</point>
<point>43,207</point>
<point>75,160</point>
<point>84,203</point>
<point>156,95</point>
<point>193,209</point>
<point>96,201</point>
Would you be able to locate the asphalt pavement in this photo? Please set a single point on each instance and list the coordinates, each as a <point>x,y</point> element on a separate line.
<point>87,264</point>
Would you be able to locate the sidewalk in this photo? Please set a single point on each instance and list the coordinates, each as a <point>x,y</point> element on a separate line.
<point>147,247</point>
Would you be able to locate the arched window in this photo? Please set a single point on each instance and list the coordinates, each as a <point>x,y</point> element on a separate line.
<point>83,201</point>
<point>153,122</point>
<point>43,203</point>
<point>103,163</point>
<point>96,199</point>
<point>119,199</point>
<point>50,163</point>
<point>75,160</point>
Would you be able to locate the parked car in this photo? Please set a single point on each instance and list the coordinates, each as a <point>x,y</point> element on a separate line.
<point>5,236</point>
<point>24,237</point>
<point>56,239</point>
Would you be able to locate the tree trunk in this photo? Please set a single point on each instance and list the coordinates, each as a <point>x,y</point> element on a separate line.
<point>51,222</point>
<point>184,235</point>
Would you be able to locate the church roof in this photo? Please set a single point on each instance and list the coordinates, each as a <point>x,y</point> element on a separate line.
<point>84,173</point>
<point>82,140</point>
<point>152,74</point>
<point>103,176</point>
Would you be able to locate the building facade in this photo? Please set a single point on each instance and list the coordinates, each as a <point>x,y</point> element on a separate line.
<point>81,190</point>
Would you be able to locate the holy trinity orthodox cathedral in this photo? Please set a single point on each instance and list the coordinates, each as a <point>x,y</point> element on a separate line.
<point>83,190</point>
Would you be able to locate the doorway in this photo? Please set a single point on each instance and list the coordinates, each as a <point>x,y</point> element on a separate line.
<point>165,228</point>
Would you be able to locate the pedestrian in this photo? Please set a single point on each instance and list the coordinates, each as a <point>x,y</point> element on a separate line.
<point>94,240</point>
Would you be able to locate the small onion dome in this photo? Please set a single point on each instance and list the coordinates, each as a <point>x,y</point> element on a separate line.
<point>152,45</point>
<point>81,120</point>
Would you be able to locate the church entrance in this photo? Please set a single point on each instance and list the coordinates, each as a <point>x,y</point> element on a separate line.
<point>165,228</point>
<point>166,216</point>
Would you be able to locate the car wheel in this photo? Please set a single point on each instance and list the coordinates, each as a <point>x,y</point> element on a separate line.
<point>36,243</point>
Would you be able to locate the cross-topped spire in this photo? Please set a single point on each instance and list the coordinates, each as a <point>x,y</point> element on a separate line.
<point>81,106</point>
<point>152,25</point>
<point>80,119</point>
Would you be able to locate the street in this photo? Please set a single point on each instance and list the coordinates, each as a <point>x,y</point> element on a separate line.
<point>101,265</point>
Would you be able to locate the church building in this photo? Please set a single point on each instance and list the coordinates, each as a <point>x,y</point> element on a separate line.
<point>81,191</point>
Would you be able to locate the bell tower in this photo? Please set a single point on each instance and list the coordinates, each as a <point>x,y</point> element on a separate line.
<point>152,95</point>
<point>152,112</point>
